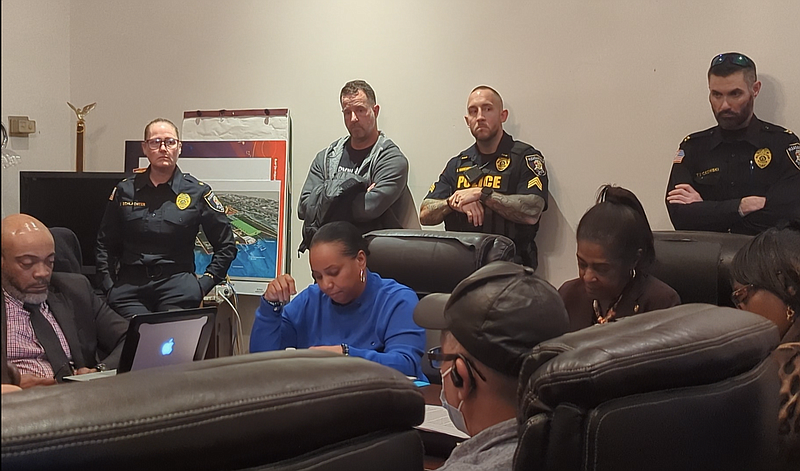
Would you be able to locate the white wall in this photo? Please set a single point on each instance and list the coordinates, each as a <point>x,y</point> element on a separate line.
<point>606,89</point>
<point>35,66</point>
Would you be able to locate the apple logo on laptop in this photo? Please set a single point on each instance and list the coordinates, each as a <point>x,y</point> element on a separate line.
<point>166,347</point>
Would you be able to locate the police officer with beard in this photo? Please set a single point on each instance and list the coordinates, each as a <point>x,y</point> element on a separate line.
<point>742,175</point>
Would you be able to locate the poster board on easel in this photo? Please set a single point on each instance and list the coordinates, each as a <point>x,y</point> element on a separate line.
<point>245,156</point>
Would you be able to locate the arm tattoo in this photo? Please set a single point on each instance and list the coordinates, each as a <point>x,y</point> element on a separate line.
<point>433,211</point>
<point>522,209</point>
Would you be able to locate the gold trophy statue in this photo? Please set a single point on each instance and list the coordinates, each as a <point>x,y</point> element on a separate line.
<point>80,113</point>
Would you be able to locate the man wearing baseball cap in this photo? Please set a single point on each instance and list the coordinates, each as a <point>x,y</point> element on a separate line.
<point>489,323</point>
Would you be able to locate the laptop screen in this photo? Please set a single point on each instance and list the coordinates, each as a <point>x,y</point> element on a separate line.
<point>167,338</point>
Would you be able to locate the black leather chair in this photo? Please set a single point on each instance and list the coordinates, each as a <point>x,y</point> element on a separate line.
<point>433,262</point>
<point>287,410</point>
<point>686,388</point>
<point>69,257</point>
<point>697,264</point>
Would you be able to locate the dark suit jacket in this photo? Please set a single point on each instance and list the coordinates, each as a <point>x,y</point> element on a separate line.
<point>93,330</point>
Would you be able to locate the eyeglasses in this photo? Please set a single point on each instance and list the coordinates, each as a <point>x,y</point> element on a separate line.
<point>155,144</point>
<point>740,295</point>
<point>436,357</point>
<point>734,58</point>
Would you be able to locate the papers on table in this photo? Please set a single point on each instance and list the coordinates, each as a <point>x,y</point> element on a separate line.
<point>437,420</point>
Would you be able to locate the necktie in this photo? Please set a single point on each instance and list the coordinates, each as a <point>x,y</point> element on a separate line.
<point>46,336</point>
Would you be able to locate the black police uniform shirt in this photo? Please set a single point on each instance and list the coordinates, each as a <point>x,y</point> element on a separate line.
<point>523,173</point>
<point>147,225</point>
<point>762,159</point>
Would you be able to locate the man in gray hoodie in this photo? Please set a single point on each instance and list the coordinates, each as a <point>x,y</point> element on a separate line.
<point>376,172</point>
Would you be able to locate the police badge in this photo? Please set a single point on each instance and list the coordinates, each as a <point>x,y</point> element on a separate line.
<point>502,162</point>
<point>762,157</point>
<point>794,154</point>
<point>183,201</point>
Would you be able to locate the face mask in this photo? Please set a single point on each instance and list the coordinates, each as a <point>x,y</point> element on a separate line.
<point>454,412</point>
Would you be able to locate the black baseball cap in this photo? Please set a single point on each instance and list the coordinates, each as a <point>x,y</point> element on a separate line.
<point>498,314</point>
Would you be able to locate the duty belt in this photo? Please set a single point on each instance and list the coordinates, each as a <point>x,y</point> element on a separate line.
<point>157,271</point>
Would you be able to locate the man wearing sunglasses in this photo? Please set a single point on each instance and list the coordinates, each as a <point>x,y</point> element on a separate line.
<point>489,323</point>
<point>149,230</point>
<point>742,175</point>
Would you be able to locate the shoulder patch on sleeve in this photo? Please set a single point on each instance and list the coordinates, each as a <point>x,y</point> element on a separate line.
<point>536,164</point>
<point>214,202</point>
<point>794,154</point>
<point>678,156</point>
<point>113,194</point>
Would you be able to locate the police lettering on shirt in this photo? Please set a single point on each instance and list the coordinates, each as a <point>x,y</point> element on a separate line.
<point>487,181</point>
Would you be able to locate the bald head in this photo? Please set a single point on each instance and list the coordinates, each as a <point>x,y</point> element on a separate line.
<point>28,252</point>
<point>24,229</point>
<point>488,92</point>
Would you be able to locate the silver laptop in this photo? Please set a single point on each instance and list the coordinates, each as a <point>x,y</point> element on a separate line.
<point>162,339</point>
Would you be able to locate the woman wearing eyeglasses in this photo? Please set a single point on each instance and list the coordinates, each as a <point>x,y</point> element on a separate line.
<point>149,229</point>
<point>615,248</point>
<point>349,310</point>
<point>766,281</point>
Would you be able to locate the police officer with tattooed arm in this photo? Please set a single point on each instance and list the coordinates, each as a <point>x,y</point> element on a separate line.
<point>497,186</point>
<point>149,231</point>
<point>742,175</point>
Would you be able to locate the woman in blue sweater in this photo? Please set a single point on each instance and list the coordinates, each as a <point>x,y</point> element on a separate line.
<point>349,310</point>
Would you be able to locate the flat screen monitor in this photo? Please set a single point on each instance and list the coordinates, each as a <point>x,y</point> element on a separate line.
<point>69,199</point>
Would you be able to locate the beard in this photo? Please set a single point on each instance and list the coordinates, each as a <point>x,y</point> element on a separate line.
<point>20,294</point>
<point>488,135</point>
<point>730,120</point>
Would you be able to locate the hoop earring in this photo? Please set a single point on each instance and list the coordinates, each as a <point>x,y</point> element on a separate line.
<point>363,276</point>
<point>789,314</point>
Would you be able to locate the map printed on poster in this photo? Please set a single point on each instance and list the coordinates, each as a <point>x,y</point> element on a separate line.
<point>245,160</point>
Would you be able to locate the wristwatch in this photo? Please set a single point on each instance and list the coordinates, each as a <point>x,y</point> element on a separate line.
<point>486,192</point>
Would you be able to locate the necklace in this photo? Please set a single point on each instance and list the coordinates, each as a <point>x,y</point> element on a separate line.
<point>612,311</point>
<point>610,314</point>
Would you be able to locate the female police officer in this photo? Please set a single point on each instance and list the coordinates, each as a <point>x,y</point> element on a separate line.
<point>150,226</point>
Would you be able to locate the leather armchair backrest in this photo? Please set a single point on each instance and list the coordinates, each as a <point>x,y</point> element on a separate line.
<point>690,387</point>
<point>697,264</point>
<point>433,261</point>
<point>69,257</point>
<point>284,410</point>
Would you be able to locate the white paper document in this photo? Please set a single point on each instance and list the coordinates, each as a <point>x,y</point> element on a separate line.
<point>437,420</point>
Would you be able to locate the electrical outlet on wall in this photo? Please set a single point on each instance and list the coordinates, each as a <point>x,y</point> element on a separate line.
<point>21,126</point>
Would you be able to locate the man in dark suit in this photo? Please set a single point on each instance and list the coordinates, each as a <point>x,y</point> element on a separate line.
<point>56,325</point>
